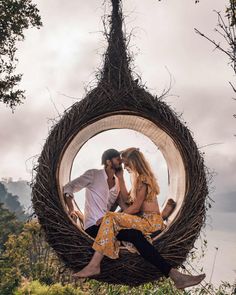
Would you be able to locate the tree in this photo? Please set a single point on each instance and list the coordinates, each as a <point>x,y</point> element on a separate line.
<point>8,225</point>
<point>15,17</point>
<point>32,256</point>
<point>226,30</point>
<point>11,202</point>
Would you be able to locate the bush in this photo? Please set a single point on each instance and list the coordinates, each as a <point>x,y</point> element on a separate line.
<point>91,287</point>
<point>36,288</point>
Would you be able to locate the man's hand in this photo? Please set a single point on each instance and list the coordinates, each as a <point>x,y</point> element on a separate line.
<point>99,221</point>
<point>73,214</point>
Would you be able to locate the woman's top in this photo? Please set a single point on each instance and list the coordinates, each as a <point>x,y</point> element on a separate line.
<point>151,195</point>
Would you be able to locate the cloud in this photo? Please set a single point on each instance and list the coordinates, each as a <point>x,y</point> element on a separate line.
<point>61,59</point>
<point>225,202</point>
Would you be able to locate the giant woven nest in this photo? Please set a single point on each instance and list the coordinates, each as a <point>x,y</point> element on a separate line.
<point>120,102</point>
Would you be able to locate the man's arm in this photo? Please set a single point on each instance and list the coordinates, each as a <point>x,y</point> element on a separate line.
<point>69,202</point>
<point>79,183</point>
<point>75,186</point>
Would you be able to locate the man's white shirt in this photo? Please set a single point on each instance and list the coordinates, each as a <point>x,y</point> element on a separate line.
<point>98,197</point>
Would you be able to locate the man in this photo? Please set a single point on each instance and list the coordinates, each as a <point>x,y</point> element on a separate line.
<point>101,190</point>
<point>101,193</point>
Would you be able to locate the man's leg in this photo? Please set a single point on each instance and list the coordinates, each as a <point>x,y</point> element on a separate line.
<point>146,250</point>
<point>92,230</point>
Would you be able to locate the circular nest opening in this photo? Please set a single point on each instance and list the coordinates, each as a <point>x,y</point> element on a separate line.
<point>166,145</point>
<point>187,181</point>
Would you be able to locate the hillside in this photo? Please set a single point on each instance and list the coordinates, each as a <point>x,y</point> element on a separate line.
<point>20,188</point>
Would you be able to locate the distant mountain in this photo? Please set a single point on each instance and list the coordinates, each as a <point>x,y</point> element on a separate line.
<point>20,188</point>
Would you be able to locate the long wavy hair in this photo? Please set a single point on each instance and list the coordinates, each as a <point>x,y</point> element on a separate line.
<point>139,166</point>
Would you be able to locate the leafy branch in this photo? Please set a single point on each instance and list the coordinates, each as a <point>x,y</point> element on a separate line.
<point>15,17</point>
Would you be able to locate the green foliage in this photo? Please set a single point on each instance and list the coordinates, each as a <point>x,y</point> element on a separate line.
<point>162,287</point>
<point>9,275</point>
<point>8,225</point>
<point>15,17</point>
<point>92,287</point>
<point>27,255</point>
<point>31,254</point>
<point>35,288</point>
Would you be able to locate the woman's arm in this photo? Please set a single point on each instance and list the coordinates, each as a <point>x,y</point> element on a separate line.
<point>123,190</point>
<point>138,201</point>
<point>121,202</point>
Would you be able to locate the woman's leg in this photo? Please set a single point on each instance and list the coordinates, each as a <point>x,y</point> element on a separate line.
<point>93,268</point>
<point>106,243</point>
<point>112,223</point>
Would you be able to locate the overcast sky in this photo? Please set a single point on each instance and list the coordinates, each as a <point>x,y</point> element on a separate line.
<point>59,61</point>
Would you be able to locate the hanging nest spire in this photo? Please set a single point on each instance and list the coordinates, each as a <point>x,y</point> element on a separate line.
<point>119,102</point>
<point>116,72</point>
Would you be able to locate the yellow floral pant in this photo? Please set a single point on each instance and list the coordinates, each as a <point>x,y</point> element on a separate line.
<point>106,242</point>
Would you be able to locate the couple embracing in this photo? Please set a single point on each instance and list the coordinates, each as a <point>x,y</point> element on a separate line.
<point>140,216</point>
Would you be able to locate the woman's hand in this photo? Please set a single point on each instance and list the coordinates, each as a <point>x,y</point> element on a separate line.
<point>138,201</point>
<point>121,182</point>
<point>120,174</point>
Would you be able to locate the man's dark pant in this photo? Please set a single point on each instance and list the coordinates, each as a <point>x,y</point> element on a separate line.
<point>146,250</point>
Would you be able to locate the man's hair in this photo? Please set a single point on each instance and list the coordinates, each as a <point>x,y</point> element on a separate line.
<point>109,154</point>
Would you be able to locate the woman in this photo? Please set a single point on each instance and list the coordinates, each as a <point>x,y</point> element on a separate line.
<point>142,214</point>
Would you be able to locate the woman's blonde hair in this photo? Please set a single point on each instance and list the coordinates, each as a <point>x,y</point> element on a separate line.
<point>140,167</point>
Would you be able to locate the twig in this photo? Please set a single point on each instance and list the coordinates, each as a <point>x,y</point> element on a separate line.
<point>217,45</point>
